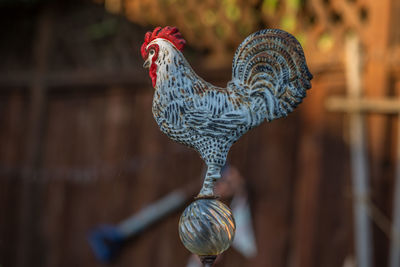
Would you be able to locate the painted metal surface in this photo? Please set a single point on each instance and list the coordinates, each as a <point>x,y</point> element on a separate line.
<point>270,78</point>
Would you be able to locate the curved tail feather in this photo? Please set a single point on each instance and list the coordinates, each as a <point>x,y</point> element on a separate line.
<point>271,64</point>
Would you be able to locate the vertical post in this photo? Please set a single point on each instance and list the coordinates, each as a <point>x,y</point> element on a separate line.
<point>394,260</point>
<point>377,40</point>
<point>362,227</point>
<point>29,206</point>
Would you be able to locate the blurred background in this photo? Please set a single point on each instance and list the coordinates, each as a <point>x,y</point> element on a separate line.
<point>79,146</point>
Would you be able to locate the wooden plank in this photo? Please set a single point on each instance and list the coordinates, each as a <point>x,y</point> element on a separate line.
<point>308,178</point>
<point>76,78</point>
<point>306,201</point>
<point>376,79</point>
<point>381,106</point>
<point>135,77</point>
<point>66,80</point>
<point>394,254</point>
<point>12,118</point>
<point>29,240</point>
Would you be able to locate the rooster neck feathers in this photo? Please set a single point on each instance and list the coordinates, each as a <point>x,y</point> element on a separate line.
<point>171,67</point>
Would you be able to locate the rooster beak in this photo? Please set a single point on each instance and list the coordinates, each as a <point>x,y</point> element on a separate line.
<point>146,64</point>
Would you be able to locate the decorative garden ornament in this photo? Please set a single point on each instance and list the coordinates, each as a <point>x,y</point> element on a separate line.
<point>269,79</point>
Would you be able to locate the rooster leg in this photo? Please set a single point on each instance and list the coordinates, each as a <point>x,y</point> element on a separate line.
<point>212,175</point>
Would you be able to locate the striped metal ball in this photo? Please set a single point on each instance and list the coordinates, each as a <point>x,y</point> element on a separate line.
<point>207,227</point>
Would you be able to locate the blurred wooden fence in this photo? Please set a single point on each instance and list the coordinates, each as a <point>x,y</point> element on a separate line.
<point>79,147</point>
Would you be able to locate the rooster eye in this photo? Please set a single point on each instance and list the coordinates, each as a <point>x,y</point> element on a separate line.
<point>151,52</point>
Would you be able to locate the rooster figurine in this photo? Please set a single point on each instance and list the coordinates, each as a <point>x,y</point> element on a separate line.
<point>269,79</point>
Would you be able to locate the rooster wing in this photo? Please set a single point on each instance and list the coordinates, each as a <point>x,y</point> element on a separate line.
<point>210,111</point>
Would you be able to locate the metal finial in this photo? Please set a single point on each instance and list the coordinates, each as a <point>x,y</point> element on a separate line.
<point>207,228</point>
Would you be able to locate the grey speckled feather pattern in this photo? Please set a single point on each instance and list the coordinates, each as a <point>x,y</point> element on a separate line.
<point>269,79</point>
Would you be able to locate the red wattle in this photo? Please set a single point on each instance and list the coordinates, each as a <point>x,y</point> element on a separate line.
<point>153,66</point>
<point>153,73</point>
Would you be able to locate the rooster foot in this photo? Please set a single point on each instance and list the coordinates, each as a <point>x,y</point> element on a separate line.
<point>212,175</point>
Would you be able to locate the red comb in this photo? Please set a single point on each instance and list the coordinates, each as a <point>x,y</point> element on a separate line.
<point>171,34</point>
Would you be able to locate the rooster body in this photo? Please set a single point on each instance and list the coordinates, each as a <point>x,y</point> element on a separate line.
<point>270,77</point>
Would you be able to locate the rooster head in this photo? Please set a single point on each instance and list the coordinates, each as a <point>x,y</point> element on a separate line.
<point>151,47</point>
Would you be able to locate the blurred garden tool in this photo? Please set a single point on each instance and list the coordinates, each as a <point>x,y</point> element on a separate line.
<point>245,241</point>
<point>232,185</point>
<point>107,240</point>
